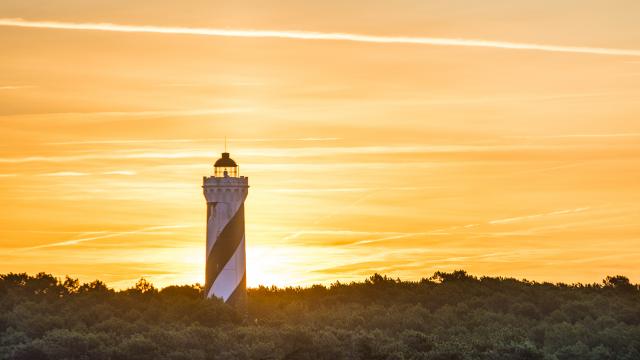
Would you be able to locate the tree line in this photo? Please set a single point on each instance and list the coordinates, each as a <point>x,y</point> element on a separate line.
<point>445,316</point>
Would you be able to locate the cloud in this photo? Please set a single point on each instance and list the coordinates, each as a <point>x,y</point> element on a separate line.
<point>77,173</point>
<point>308,35</point>
<point>500,98</point>
<point>66,173</point>
<point>380,235</point>
<point>386,236</point>
<point>120,172</point>
<point>389,149</point>
<point>107,156</point>
<point>191,112</point>
<point>346,189</point>
<point>536,216</point>
<point>320,190</point>
<point>105,235</point>
<point>294,152</point>
<point>568,136</point>
<point>319,139</point>
<point>205,140</point>
<point>15,87</point>
<point>329,232</point>
<point>139,113</point>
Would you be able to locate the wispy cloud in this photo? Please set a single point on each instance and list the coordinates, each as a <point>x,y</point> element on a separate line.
<point>170,141</point>
<point>120,172</point>
<point>308,35</point>
<point>504,98</point>
<point>298,234</point>
<point>234,82</point>
<point>188,112</point>
<point>321,190</point>
<point>536,216</point>
<point>15,87</point>
<point>78,173</point>
<point>319,139</point>
<point>105,235</point>
<point>386,236</point>
<point>293,152</point>
<point>388,149</point>
<point>108,156</point>
<point>344,190</point>
<point>139,113</point>
<point>66,173</point>
<point>568,136</point>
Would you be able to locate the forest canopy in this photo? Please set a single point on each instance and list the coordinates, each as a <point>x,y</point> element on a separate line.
<point>445,316</point>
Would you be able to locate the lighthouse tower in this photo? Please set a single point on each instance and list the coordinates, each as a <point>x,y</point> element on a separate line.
<point>225,192</point>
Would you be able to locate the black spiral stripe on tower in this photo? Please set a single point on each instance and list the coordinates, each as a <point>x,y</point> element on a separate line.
<point>239,296</point>
<point>225,246</point>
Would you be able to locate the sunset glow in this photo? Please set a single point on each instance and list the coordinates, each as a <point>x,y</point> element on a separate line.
<point>393,137</point>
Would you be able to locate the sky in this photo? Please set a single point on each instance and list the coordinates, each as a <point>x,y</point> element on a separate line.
<point>399,137</point>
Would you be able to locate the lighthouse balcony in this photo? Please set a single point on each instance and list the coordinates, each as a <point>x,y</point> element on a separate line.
<point>215,181</point>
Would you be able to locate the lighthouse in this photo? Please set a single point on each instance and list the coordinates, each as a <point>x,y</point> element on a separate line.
<point>225,192</point>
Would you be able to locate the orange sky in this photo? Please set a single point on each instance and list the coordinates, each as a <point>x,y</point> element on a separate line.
<point>390,154</point>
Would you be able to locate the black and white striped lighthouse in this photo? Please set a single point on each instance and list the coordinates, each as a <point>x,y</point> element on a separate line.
<point>225,192</point>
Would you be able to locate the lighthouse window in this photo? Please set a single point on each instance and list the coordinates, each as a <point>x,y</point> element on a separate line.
<point>224,171</point>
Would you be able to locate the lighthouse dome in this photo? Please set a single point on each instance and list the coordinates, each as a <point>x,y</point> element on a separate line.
<point>225,161</point>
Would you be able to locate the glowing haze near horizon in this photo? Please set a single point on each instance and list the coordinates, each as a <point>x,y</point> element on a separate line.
<point>389,152</point>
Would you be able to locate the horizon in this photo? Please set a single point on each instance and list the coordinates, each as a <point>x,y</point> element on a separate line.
<point>437,278</point>
<point>397,138</point>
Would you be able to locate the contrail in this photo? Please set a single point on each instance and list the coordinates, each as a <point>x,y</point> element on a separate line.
<point>310,35</point>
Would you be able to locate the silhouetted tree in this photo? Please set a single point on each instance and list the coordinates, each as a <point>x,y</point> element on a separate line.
<point>619,282</point>
<point>444,316</point>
